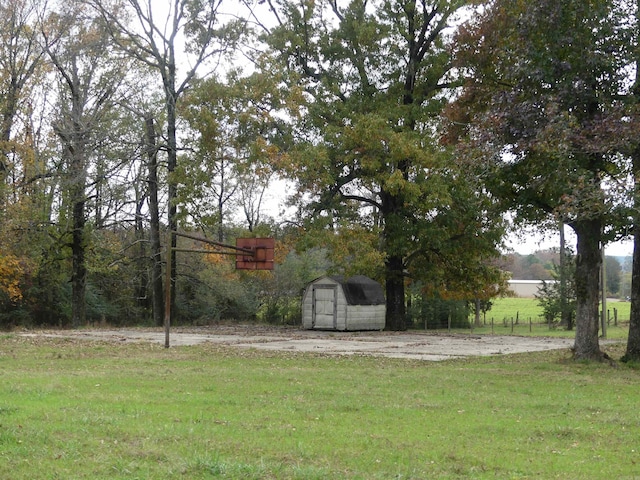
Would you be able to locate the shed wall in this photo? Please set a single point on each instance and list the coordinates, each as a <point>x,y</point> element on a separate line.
<point>366,317</point>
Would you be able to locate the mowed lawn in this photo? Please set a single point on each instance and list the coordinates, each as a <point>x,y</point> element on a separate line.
<point>89,410</point>
<point>524,316</point>
<point>528,308</point>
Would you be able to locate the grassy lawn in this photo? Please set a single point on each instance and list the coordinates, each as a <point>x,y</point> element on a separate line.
<point>526,308</point>
<point>523,316</point>
<point>88,410</point>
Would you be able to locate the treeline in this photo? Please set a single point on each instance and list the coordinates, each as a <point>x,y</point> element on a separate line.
<point>123,121</point>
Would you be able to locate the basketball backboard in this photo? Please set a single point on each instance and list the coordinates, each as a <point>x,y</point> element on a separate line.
<point>261,257</point>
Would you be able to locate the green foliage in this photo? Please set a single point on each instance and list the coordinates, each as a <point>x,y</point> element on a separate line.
<point>215,293</point>
<point>546,79</point>
<point>281,293</point>
<point>558,298</point>
<point>435,313</point>
<point>368,150</point>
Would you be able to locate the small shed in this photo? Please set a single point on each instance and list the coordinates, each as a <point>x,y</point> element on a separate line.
<point>336,303</point>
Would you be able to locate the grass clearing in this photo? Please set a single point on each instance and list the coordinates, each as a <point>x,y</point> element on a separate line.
<point>88,410</point>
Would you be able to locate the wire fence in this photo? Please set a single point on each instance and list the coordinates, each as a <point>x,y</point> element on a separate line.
<point>616,323</point>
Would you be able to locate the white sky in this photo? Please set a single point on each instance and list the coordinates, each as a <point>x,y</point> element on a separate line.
<point>530,243</point>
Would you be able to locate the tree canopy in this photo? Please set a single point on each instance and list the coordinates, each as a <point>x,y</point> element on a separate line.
<point>544,116</point>
<point>375,79</point>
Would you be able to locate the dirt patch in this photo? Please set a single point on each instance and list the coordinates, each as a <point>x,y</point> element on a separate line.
<point>413,345</point>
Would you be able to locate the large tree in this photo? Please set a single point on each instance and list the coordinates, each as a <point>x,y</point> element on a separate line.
<point>375,76</point>
<point>89,76</point>
<point>633,343</point>
<point>174,40</point>
<point>542,110</point>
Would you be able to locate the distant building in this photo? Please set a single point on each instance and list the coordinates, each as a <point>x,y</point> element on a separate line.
<point>527,288</point>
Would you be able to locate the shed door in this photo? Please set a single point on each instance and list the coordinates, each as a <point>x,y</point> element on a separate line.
<point>325,311</point>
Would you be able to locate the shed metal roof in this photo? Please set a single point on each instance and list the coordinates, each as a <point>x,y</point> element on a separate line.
<point>361,290</point>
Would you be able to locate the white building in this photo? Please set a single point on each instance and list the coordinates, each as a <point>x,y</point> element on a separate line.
<point>527,288</point>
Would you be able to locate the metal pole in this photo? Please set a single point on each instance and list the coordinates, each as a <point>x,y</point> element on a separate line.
<point>167,292</point>
<point>246,251</point>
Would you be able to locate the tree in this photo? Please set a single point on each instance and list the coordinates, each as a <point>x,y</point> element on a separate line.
<point>544,87</point>
<point>89,77</point>
<point>20,58</point>
<point>153,40</point>
<point>236,135</point>
<point>558,300</point>
<point>151,152</point>
<point>367,150</point>
<point>633,342</point>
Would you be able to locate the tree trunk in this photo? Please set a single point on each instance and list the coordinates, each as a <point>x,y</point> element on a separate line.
<point>78,263</point>
<point>394,273</point>
<point>394,263</point>
<point>565,313</point>
<point>633,340</point>
<point>157,292</point>
<point>142,264</point>
<point>587,284</point>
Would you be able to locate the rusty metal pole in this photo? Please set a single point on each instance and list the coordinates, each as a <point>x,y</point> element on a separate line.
<point>167,291</point>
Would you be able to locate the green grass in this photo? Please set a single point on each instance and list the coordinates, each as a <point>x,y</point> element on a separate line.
<point>89,410</point>
<point>526,308</point>
<point>523,316</point>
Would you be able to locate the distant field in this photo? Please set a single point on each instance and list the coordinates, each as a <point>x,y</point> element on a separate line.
<point>508,308</point>
<point>523,316</point>
<point>528,308</point>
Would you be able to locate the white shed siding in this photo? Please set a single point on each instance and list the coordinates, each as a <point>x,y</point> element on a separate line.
<point>341,310</point>
<point>366,317</point>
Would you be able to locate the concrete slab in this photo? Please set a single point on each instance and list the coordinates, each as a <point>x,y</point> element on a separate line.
<point>410,345</point>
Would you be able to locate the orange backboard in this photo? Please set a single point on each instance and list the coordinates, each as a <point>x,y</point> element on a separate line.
<point>261,256</point>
